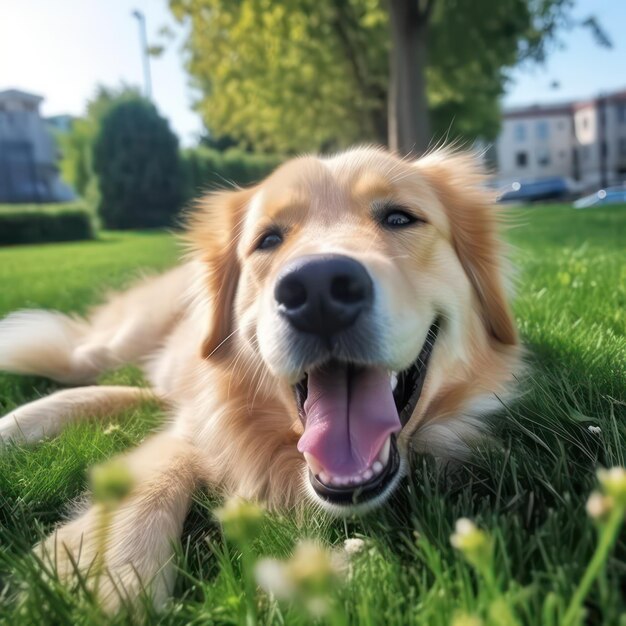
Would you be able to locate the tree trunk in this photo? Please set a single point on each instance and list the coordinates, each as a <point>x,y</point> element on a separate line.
<point>409,123</point>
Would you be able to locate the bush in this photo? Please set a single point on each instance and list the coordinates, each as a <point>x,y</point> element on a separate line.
<point>205,169</point>
<point>37,223</point>
<point>137,164</point>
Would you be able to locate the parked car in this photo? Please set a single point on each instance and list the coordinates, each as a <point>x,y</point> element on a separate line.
<point>553,188</point>
<point>610,195</point>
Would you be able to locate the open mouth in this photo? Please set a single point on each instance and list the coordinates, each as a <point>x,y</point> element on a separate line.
<point>352,416</point>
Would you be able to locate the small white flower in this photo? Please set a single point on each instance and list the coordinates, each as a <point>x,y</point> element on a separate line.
<point>353,546</point>
<point>240,518</point>
<point>599,506</point>
<point>594,430</point>
<point>613,482</point>
<point>473,542</point>
<point>464,527</point>
<point>272,575</point>
<point>310,573</point>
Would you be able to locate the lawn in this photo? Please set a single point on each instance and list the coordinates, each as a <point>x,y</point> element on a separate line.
<point>528,491</point>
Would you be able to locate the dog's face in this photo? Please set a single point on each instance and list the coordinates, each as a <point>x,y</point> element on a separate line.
<point>341,276</point>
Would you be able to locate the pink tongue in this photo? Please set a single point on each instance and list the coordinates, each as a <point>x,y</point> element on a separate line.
<point>349,415</point>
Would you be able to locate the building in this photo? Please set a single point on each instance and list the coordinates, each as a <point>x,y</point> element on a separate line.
<point>584,141</point>
<point>60,123</point>
<point>28,153</point>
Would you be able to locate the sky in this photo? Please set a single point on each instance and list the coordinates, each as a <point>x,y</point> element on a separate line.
<point>62,49</point>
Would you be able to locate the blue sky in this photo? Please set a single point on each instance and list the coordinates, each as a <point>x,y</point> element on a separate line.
<point>62,49</point>
<point>581,67</point>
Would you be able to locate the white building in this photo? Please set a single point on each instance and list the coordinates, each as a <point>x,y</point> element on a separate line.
<point>584,141</point>
<point>28,153</point>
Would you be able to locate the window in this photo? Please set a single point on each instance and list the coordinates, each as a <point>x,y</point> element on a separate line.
<point>521,159</point>
<point>585,153</point>
<point>622,147</point>
<point>542,129</point>
<point>621,113</point>
<point>520,131</point>
<point>543,157</point>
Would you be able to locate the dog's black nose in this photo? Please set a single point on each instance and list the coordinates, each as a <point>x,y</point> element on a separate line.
<point>323,294</point>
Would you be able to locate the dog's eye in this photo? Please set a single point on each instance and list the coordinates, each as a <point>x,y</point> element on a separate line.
<point>398,219</point>
<point>270,240</point>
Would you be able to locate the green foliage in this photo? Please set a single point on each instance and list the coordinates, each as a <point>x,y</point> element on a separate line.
<point>275,75</point>
<point>528,492</point>
<point>77,145</point>
<point>311,74</point>
<point>137,163</point>
<point>205,169</point>
<point>38,223</point>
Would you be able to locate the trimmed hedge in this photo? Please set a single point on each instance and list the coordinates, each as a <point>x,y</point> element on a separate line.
<point>38,223</point>
<point>137,162</point>
<point>205,169</point>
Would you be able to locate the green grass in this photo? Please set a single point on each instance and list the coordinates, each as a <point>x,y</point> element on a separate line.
<point>51,207</point>
<point>528,492</point>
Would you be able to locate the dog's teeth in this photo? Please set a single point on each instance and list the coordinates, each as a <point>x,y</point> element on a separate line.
<point>313,463</point>
<point>383,457</point>
<point>368,474</point>
<point>377,467</point>
<point>393,380</point>
<point>324,477</point>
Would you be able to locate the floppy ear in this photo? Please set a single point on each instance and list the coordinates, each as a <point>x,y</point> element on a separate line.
<point>460,183</point>
<point>213,231</point>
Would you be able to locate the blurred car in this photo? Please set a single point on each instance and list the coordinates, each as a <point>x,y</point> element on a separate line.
<point>610,195</point>
<point>552,188</point>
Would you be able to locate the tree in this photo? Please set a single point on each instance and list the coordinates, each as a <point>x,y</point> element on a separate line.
<point>137,164</point>
<point>274,74</point>
<point>77,145</point>
<point>450,60</point>
<point>310,74</point>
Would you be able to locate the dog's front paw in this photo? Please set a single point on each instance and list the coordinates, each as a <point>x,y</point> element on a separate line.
<point>119,556</point>
<point>9,430</point>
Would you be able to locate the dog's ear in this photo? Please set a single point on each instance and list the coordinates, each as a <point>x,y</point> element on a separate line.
<point>460,183</point>
<point>213,231</point>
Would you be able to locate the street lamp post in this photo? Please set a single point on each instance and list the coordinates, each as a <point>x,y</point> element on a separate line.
<point>143,37</point>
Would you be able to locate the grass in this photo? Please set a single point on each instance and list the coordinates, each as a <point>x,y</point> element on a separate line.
<point>46,207</point>
<point>528,492</point>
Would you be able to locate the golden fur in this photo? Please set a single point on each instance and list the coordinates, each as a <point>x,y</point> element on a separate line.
<point>208,339</point>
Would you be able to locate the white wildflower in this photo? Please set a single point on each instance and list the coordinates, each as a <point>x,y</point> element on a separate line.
<point>273,576</point>
<point>613,482</point>
<point>308,577</point>
<point>112,428</point>
<point>472,542</point>
<point>599,506</point>
<point>353,546</point>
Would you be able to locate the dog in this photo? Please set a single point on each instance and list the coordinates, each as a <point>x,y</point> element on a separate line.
<point>325,322</point>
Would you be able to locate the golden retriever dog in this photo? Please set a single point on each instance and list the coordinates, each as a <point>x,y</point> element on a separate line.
<point>326,322</point>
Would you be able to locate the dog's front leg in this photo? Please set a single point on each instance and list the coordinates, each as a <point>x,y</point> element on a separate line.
<point>130,550</point>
